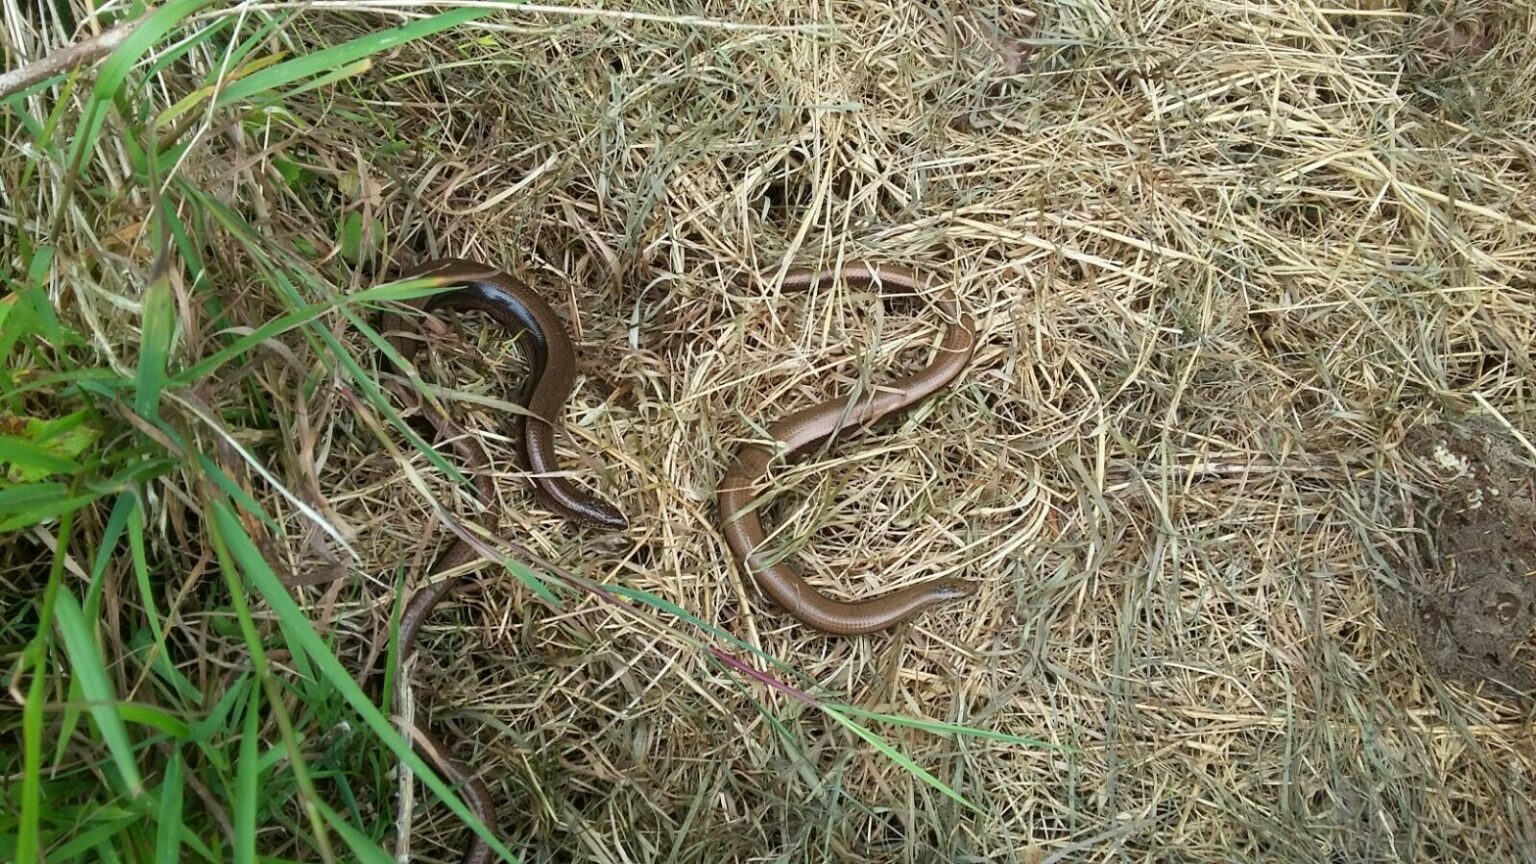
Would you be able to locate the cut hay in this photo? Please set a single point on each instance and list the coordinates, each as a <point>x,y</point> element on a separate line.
<point>1223,259</point>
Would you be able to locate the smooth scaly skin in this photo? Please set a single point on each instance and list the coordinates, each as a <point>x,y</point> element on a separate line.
<point>552,372</point>
<point>803,430</point>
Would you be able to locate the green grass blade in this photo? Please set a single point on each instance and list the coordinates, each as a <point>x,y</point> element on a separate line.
<point>252,242</point>
<point>39,510</point>
<point>30,494</point>
<point>113,73</point>
<point>329,59</point>
<point>297,318</point>
<point>348,71</point>
<point>901,759</point>
<point>155,342</point>
<point>35,296</point>
<point>168,822</point>
<point>32,742</point>
<point>247,782</point>
<point>364,849</point>
<point>145,715</point>
<point>942,728</point>
<point>100,831</point>
<point>97,688</point>
<point>187,692</point>
<point>141,576</point>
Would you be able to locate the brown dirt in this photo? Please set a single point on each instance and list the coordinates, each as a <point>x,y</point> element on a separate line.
<point>1469,599</point>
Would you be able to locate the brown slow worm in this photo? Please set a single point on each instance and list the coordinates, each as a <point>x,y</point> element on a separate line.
<point>808,427</point>
<point>552,373</point>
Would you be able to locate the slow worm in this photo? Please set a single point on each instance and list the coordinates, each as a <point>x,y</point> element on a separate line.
<point>552,373</point>
<point>804,429</point>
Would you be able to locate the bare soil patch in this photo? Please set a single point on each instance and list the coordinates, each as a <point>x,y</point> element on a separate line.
<point>1469,600</point>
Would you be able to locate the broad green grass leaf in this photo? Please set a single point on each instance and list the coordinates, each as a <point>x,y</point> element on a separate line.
<point>26,495</point>
<point>390,291</point>
<point>159,324</point>
<point>326,80</point>
<point>143,644</point>
<point>196,97</point>
<point>941,727</point>
<point>247,798</point>
<point>37,300</point>
<point>168,822</point>
<point>96,687</point>
<point>125,507</point>
<point>329,59</point>
<point>27,837</point>
<point>145,715</point>
<point>276,327</point>
<point>332,348</point>
<point>71,383</point>
<point>27,461</point>
<point>13,326</point>
<point>141,576</point>
<point>218,719</point>
<point>37,510</point>
<point>221,479</point>
<point>102,830</point>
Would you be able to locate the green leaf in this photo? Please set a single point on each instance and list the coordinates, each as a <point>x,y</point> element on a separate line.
<point>168,823</point>
<point>900,758</point>
<point>144,643</point>
<point>141,576</point>
<point>28,494</point>
<point>332,77</point>
<point>190,101</point>
<point>247,782</point>
<point>329,59</point>
<point>295,175</point>
<point>941,727</point>
<point>113,73</point>
<point>361,846</point>
<point>65,436</point>
<point>36,297</point>
<point>159,325</point>
<point>33,505</point>
<point>101,830</point>
<point>145,715</point>
<point>351,238</point>
<point>27,843</point>
<point>28,461</point>
<point>97,688</point>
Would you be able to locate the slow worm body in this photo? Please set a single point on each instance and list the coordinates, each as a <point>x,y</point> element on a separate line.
<point>809,427</point>
<point>552,373</point>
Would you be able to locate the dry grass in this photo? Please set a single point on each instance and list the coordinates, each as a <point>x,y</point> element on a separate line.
<point>1222,257</point>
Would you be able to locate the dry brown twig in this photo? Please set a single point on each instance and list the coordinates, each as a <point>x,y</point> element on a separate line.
<point>65,58</point>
